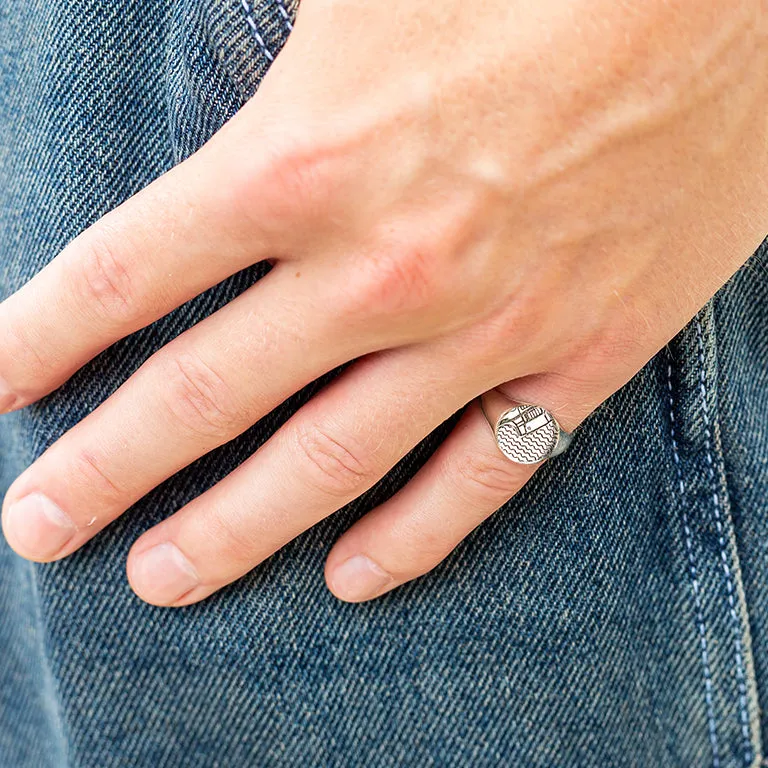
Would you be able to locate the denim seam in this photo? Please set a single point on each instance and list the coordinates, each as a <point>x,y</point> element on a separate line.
<point>693,574</point>
<point>255,29</point>
<point>738,653</point>
<point>284,13</point>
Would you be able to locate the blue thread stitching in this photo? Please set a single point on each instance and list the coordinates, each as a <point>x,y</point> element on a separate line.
<point>738,653</point>
<point>255,29</point>
<point>284,13</point>
<point>694,581</point>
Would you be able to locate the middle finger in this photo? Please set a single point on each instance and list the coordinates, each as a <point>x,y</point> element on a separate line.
<point>329,453</point>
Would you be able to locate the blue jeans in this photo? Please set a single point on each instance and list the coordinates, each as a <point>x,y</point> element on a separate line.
<point>612,614</point>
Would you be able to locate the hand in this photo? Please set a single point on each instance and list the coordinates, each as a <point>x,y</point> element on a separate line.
<point>455,196</point>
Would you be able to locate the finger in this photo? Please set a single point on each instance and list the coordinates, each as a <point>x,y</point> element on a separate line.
<point>179,236</point>
<point>468,478</point>
<point>201,390</point>
<point>331,451</point>
<point>465,481</point>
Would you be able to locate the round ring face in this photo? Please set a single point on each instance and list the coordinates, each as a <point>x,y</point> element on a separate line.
<point>527,434</point>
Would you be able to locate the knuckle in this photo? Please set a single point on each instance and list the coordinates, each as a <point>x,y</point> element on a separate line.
<point>293,177</point>
<point>27,359</point>
<point>525,320</point>
<point>299,170</point>
<point>512,335</point>
<point>428,545</point>
<point>234,535</point>
<point>298,173</point>
<point>101,278</point>
<point>593,357</point>
<point>615,344</point>
<point>484,476</point>
<point>414,266</point>
<point>332,466</point>
<point>395,283</point>
<point>90,473</point>
<point>198,398</point>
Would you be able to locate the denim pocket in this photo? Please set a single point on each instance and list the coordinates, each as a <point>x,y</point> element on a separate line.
<point>218,54</point>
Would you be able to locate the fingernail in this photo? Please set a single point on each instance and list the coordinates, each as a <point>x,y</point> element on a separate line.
<point>36,527</point>
<point>359,578</point>
<point>7,397</point>
<point>162,574</point>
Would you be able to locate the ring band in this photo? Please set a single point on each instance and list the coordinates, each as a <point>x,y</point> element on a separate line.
<point>525,433</point>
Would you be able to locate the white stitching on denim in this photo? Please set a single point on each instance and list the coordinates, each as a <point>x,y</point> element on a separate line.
<point>284,13</point>
<point>255,29</point>
<point>738,652</point>
<point>692,570</point>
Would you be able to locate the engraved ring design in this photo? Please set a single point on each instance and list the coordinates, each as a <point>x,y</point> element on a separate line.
<point>525,433</point>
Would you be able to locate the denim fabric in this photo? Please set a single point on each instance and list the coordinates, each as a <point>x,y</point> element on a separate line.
<point>613,614</point>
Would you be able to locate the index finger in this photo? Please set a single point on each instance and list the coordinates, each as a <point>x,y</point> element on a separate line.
<point>193,227</point>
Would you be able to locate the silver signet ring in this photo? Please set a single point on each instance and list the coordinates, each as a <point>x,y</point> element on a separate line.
<point>525,433</point>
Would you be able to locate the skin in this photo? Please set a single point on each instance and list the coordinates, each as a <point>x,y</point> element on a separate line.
<point>457,196</point>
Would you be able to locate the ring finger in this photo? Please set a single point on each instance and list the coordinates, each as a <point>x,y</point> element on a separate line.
<point>464,482</point>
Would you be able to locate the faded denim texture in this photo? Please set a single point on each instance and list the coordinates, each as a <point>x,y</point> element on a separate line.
<point>613,614</point>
